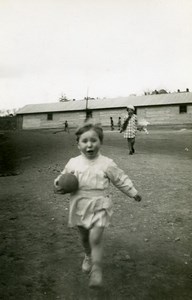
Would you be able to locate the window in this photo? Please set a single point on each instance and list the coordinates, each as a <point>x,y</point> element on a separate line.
<point>50,116</point>
<point>182,108</point>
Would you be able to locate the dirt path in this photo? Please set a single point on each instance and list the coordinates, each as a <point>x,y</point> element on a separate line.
<point>147,247</point>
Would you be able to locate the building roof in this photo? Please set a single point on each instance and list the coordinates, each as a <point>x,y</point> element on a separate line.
<point>121,102</point>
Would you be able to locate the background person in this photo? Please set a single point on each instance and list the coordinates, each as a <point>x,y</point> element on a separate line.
<point>129,128</point>
<point>66,128</point>
<point>119,123</point>
<point>112,123</point>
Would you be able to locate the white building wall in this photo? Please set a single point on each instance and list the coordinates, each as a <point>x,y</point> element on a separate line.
<point>32,121</point>
<point>157,115</point>
<point>35,121</point>
<point>164,115</point>
<point>103,116</point>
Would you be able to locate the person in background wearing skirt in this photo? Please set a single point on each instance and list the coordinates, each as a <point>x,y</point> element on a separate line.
<point>129,128</point>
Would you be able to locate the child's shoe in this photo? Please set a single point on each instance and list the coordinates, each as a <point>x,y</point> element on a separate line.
<point>96,280</point>
<point>86,265</point>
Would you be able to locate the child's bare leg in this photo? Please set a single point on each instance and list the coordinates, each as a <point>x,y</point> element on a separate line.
<point>129,140</point>
<point>132,144</point>
<point>96,243</point>
<point>84,234</point>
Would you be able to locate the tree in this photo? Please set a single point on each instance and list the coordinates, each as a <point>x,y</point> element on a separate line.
<point>162,91</point>
<point>155,92</point>
<point>8,112</point>
<point>63,98</point>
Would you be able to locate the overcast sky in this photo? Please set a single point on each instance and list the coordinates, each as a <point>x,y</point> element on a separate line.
<point>106,48</point>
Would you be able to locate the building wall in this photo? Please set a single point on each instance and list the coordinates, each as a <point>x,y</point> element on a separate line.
<point>157,115</point>
<point>35,121</point>
<point>164,115</point>
<point>103,116</point>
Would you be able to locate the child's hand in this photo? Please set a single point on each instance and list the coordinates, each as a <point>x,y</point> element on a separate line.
<point>137,198</point>
<point>56,187</point>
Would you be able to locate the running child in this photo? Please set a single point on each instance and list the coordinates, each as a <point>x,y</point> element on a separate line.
<point>91,206</point>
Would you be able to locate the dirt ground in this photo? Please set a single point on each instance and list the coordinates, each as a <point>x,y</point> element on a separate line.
<point>148,247</point>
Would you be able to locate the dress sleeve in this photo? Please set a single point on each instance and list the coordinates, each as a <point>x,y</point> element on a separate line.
<point>121,180</point>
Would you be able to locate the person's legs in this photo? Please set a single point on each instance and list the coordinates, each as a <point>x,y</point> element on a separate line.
<point>84,234</point>
<point>133,143</point>
<point>129,140</point>
<point>96,243</point>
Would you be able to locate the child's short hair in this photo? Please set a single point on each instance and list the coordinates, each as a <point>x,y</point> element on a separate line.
<point>90,126</point>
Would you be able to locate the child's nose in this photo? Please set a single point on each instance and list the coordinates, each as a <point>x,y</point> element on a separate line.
<point>89,144</point>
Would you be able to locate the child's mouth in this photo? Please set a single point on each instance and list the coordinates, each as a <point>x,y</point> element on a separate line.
<point>90,152</point>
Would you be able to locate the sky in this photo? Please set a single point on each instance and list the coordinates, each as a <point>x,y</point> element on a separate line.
<point>95,48</point>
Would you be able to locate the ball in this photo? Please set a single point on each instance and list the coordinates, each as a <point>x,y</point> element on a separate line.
<point>68,183</point>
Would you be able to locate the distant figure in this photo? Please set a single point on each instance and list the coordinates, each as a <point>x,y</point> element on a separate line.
<point>66,128</point>
<point>119,123</point>
<point>112,124</point>
<point>129,128</point>
<point>142,126</point>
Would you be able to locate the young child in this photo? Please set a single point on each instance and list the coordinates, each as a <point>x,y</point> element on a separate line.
<point>91,206</point>
<point>112,123</point>
<point>66,128</point>
<point>119,123</point>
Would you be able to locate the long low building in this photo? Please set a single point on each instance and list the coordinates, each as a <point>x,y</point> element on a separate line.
<point>160,109</point>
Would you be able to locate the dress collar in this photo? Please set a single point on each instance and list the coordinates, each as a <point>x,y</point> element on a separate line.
<point>91,160</point>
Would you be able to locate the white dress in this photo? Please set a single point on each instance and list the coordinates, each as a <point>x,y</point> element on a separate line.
<point>91,204</point>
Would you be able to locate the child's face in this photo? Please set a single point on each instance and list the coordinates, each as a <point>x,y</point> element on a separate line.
<point>89,144</point>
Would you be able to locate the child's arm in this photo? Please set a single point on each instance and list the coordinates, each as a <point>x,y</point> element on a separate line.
<point>57,179</point>
<point>122,181</point>
<point>67,169</point>
<point>57,189</point>
<point>125,123</point>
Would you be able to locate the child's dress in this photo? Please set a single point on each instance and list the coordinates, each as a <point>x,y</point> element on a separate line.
<point>131,129</point>
<point>91,204</point>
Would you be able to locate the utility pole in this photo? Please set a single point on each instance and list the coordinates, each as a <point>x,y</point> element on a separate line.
<point>87,98</point>
<point>86,108</point>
